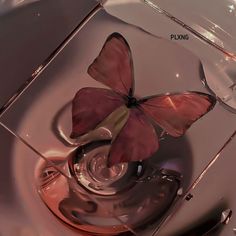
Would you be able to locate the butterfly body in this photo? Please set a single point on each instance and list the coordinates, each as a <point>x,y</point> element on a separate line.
<point>137,140</point>
<point>132,102</point>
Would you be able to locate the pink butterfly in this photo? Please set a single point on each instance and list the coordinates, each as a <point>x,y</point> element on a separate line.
<point>137,140</point>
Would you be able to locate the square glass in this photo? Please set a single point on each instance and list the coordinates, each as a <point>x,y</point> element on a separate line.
<point>41,117</point>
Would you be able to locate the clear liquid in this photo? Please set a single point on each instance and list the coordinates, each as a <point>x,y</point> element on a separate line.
<point>73,205</point>
<point>103,200</point>
<point>95,199</point>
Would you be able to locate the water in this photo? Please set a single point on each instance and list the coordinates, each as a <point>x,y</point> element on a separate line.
<point>102,200</point>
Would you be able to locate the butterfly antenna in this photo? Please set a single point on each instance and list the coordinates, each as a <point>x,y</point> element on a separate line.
<point>131,92</point>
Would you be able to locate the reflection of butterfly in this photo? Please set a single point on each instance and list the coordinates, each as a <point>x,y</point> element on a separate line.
<point>137,140</point>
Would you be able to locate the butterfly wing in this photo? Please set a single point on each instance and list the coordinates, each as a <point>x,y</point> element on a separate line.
<point>136,141</point>
<point>91,106</point>
<point>175,113</point>
<point>114,67</point>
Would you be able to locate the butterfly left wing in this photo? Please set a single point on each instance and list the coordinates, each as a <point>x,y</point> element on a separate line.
<point>90,107</point>
<point>175,113</point>
<point>114,66</point>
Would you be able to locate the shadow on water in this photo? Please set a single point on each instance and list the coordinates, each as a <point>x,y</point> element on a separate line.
<point>175,154</point>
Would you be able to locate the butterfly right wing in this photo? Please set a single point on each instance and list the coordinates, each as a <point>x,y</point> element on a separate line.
<point>136,141</point>
<point>175,113</point>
